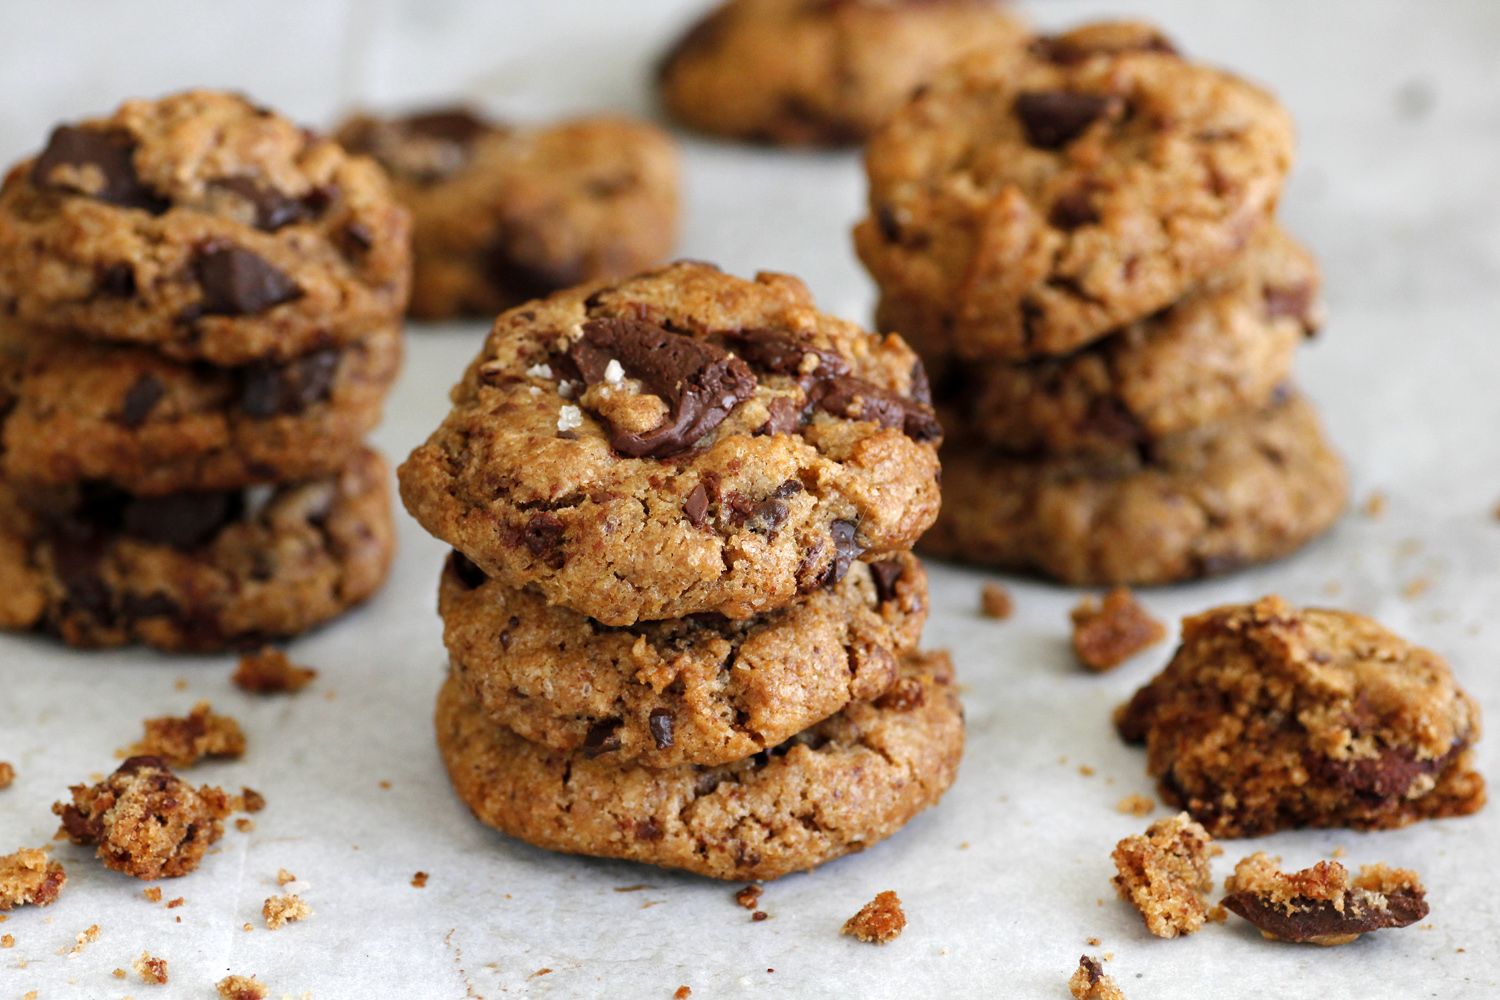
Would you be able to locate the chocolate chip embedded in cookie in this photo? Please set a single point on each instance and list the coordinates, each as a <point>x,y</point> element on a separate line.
<point>837,787</point>
<point>205,227</point>
<point>1036,204</point>
<point>194,571</point>
<point>83,410</point>
<point>1270,717</point>
<point>501,215</point>
<point>677,443</point>
<point>1322,904</point>
<point>819,72</point>
<point>1223,350</point>
<point>1195,504</point>
<point>697,690</point>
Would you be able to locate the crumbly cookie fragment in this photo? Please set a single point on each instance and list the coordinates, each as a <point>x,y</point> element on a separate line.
<point>29,878</point>
<point>152,970</point>
<point>880,921</point>
<point>1322,904</point>
<point>1165,873</point>
<point>241,988</point>
<point>182,741</point>
<point>278,911</point>
<point>269,671</point>
<point>995,601</point>
<point>1271,716</point>
<point>145,821</point>
<point>7,774</point>
<point>1109,632</point>
<point>1089,982</point>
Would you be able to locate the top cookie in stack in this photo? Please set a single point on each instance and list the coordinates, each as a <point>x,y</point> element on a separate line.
<point>197,297</point>
<point>1080,239</point>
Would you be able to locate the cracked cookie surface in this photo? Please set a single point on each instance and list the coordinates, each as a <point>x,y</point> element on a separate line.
<point>681,442</point>
<point>838,787</point>
<point>205,227</point>
<point>76,410</point>
<point>1196,504</point>
<point>504,214</point>
<point>696,690</point>
<point>819,72</point>
<point>1035,204</point>
<point>194,571</point>
<point>1270,717</point>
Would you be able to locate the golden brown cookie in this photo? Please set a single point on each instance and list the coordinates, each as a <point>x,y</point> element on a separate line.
<point>698,690</point>
<point>835,788</point>
<point>1195,504</point>
<point>505,214</point>
<point>680,442</point>
<point>1270,717</point>
<point>819,72</point>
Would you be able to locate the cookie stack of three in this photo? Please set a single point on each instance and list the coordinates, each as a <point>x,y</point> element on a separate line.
<point>1080,239</point>
<point>681,614</point>
<point>200,317</point>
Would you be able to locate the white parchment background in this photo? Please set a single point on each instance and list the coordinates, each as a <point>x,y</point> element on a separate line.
<point>1399,110</point>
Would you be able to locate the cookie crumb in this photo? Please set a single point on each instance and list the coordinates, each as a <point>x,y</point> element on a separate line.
<point>268,671</point>
<point>1322,905</point>
<point>759,915</point>
<point>1109,632</point>
<point>182,742</point>
<point>29,878</point>
<point>279,911</point>
<point>749,897</point>
<point>7,940</point>
<point>244,825</point>
<point>151,969</point>
<point>85,937</point>
<point>119,973</point>
<point>1165,873</point>
<point>1086,771</point>
<point>879,921</point>
<point>1135,805</point>
<point>144,820</point>
<point>7,774</point>
<point>284,877</point>
<point>419,880</point>
<point>1089,982</point>
<point>995,601</point>
<point>241,988</point>
<point>1416,587</point>
<point>683,992</point>
<point>1374,506</point>
<point>251,801</point>
<point>152,893</point>
<point>1093,942</point>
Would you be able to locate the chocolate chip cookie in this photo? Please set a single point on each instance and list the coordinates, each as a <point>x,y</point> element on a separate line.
<point>1038,203</point>
<point>1204,502</point>
<point>1270,717</point>
<point>698,690</point>
<point>677,443</point>
<point>1222,350</point>
<point>1322,905</point>
<point>76,410</point>
<point>194,571</point>
<point>834,788</point>
<point>819,72</point>
<point>205,227</point>
<point>501,215</point>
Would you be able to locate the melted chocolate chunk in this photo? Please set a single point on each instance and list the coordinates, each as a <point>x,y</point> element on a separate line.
<point>181,520</point>
<point>457,124</point>
<point>1069,52</point>
<point>695,507</point>
<point>785,417</point>
<point>236,282</point>
<point>1054,118</point>
<point>116,281</point>
<point>267,390</point>
<point>543,538</point>
<point>273,208</point>
<point>855,399</point>
<point>470,575</point>
<point>778,352</point>
<point>1305,919</point>
<point>109,151</point>
<point>1387,775</point>
<point>921,388</point>
<point>661,721</point>
<point>845,550</point>
<point>701,383</point>
<point>76,555</point>
<point>1073,210</point>
<point>144,393</point>
<point>603,737</point>
<point>886,575</point>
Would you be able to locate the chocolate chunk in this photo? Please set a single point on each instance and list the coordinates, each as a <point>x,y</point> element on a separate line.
<point>603,737</point>
<point>267,390</point>
<point>661,721</point>
<point>1073,210</point>
<point>144,393</point>
<point>1389,774</point>
<point>111,152</point>
<point>1294,301</point>
<point>855,399</point>
<point>1054,118</point>
<point>181,520</point>
<point>456,124</point>
<point>886,575</point>
<point>116,280</point>
<point>768,516</point>
<point>784,417</point>
<point>273,208</point>
<point>695,507</point>
<point>154,605</point>
<point>701,383</point>
<point>1108,418</point>
<point>470,575</point>
<point>76,558</point>
<point>921,389</point>
<point>1306,919</point>
<point>518,277</point>
<point>779,352</point>
<point>845,550</point>
<point>543,538</point>
<point>887,222</point>
<point>1063,51</point>
<point>236,282</point>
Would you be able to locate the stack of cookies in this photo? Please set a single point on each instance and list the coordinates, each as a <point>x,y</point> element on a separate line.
<point>681,613</point>
<point>200,316</point>
<point>1080,239</point>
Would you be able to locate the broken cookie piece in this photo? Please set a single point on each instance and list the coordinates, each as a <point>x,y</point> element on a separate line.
<point>1165,873</point>
<point>7,774</point>
<point>279,911</point>
<point>880,921</point>
<point>145,821</point>
<point>1270,717</point>
<point>241,988</point>
<point>269,671</point>
<point>1089,982</point>
<point>29,878</point>
<point>995,601</point>
<point>1107,633</point>
<point>183,741</point>
<point>1322,905</point>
